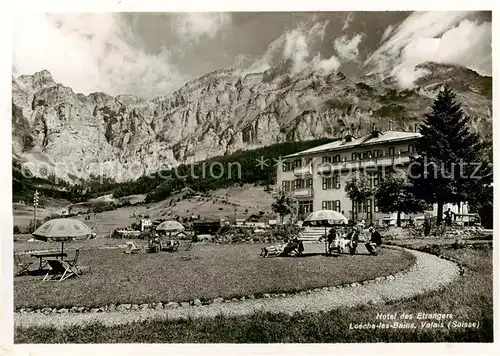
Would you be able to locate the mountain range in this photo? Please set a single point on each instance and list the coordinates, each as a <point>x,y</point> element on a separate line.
<point>75,136</point>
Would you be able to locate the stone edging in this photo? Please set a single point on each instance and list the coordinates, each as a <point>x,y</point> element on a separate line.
<point>199,302</point>
<point>461,267</point>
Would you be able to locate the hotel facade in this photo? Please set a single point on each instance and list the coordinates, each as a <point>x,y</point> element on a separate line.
<point>317,177</point>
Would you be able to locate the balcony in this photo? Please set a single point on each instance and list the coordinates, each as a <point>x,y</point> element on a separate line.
<point>329,167</point>
<point>303,193</point>
<point>303,171</point>
<point>365,163</point>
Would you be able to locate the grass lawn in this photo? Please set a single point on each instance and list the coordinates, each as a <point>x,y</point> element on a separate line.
<point>469,299</point>
<point>207,271</point>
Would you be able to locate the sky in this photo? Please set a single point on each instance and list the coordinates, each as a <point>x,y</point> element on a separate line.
<point>153,54</point>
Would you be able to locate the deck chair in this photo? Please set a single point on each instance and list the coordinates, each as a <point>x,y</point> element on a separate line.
<point>75,259</point>
<point>22,267</point>
<point>62,270</point>
<point>132,248</point>
<point>272,251</point>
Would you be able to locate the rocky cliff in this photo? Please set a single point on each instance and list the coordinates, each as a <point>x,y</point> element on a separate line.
<point>57,131</point>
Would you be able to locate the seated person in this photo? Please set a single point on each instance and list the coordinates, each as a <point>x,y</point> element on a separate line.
<point>333,241</point>
<point>293,248</point>
<point>155,243</point>
<point>353,238</point>
<point>375,241</point>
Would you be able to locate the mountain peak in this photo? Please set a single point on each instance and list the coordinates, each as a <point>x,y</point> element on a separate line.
<point>37,80</point>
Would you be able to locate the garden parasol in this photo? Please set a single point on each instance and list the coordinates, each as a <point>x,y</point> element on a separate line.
<point>62,230</point>
<point>328,217</point>
<point>170,226</point>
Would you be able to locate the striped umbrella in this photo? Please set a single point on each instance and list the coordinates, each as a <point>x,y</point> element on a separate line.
<point>170,226</point>
<point>62,230</point>
<point>330,216</point>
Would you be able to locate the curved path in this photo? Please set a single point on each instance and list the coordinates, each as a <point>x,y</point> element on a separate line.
<point>428,274</point>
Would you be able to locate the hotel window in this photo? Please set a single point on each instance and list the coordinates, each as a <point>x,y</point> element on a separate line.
<point>354,156</point>
<point>367,154</point>
<point>331,205</point>
<point>375,153</point>
<point>297,163</point>
<point>327,183</point>
<point>309,183</point>
<point>391,151</point>
<point>308,160</point>
<point>411,148</point>
<point>298,183</point>
<point>286,185</point>
<point>286,166</point>
<point>336,159</point>
<point>326,159</point>
<point>375,205</point>
<point>305,207</point>
<point>331,183</point>
<point>375,180</point>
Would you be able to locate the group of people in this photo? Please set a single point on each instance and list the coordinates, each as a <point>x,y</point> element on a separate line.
<point>338,240</point>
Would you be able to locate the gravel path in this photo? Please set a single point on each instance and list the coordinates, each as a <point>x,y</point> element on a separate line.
<point>429,273</point>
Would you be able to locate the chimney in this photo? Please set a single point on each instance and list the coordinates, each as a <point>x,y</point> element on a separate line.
<point>348,138</point>
<point>375,133</point>
<point>415,127</point>
<point>373,127</point>
<point>390,125</point>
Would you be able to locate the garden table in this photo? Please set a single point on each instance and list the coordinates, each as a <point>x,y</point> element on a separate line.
<point>42,255</point>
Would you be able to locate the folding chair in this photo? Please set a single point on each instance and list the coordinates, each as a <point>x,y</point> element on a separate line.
<point>272,251</point>
<point>189,247</point>
<point>64,270</point>
<point>75,259</point>
<point>171,246</point>
<point>22,267</point>
<point>132,248</point>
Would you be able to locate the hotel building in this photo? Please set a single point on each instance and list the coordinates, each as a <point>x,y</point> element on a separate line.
<point>317,177</point>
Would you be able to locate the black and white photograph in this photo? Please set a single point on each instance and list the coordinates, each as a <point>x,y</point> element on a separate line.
<point>251,177</point>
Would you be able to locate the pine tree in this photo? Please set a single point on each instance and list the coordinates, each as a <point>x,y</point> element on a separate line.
<point>448,155</point>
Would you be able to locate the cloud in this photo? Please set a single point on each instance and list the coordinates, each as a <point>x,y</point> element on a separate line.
<point>448,38</point>
<point>348,49</point>
<point>347,21</point>
<point>325,66</point>
<point>192,26</point>
<point>386,33</point>
<point>295,45</point>
<point>91,52</point>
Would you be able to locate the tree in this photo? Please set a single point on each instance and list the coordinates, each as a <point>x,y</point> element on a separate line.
<point>358,188</point>
<point>448,154</point>
<point>396,194</point>
<point>284,205</point>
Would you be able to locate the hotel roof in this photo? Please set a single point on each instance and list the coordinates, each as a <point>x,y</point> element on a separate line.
<point>367,140</point>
